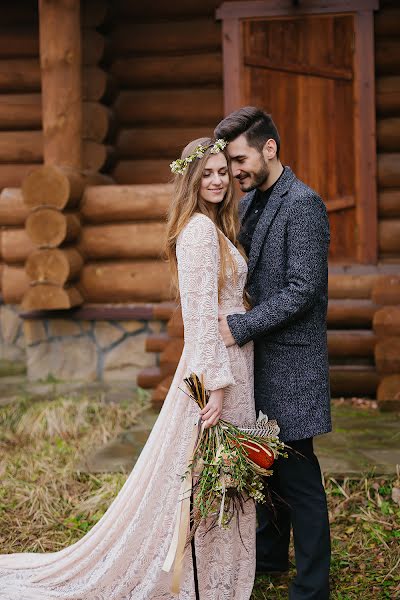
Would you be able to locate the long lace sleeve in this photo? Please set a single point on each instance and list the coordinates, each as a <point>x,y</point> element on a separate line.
<point>197,253</point>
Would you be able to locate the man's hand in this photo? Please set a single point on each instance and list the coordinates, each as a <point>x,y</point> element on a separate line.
<point>225,332</point>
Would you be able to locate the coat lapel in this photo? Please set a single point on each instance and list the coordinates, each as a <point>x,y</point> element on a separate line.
<point>281,188</point>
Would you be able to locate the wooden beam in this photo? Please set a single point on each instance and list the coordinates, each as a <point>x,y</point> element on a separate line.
<point>364,134</point>
<point>287,8</point>
<point>60,61</point>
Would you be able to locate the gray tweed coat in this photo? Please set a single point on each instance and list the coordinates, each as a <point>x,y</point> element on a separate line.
<point>288,286</point>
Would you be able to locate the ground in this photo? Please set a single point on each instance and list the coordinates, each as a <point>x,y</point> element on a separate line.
<point>63,454</point>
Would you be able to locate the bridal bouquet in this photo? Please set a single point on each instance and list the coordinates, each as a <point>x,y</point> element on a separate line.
<point>228,463</point>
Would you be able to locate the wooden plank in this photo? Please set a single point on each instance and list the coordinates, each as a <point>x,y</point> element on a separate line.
<point>60,61</point>
<point>298,68</point>
<point>365,149</point>
<point>232,61</point>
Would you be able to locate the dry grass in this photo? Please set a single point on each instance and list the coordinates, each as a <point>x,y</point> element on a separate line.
<point>46,504</point>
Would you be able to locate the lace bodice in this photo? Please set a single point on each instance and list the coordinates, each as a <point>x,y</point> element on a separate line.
<point>198,258</point>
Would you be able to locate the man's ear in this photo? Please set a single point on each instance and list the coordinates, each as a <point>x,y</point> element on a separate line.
<point>269,149</point>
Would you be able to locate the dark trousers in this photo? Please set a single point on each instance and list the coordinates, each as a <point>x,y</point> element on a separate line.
<point>300,502</point>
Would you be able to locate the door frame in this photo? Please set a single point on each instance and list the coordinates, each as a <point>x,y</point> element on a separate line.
<point>233,13</point>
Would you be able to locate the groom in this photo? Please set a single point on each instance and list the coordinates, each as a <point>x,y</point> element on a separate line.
<point>285,233</point>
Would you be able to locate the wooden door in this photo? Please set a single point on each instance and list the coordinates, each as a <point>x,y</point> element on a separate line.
<point>313,72</point>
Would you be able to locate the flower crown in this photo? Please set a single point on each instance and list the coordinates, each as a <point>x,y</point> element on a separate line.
<point>180,165</point>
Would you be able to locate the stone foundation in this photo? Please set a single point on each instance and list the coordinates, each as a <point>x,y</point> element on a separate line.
<point>87,350</point>
<point>12,339</point>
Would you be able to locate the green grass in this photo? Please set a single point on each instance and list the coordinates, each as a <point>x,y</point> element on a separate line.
<point>46,503</point>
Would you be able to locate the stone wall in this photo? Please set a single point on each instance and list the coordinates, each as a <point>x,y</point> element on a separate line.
<point>12,340</point>
<point>88,350</point>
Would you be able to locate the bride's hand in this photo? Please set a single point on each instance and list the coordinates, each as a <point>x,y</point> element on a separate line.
<point>212,411</point>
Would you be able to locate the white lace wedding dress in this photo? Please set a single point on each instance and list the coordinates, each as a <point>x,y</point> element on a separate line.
<point>121,558</point>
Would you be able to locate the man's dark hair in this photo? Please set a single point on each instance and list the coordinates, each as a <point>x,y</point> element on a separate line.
<point>257,126</point>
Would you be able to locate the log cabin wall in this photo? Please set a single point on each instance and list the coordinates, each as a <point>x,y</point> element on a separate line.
<point>20,149</point>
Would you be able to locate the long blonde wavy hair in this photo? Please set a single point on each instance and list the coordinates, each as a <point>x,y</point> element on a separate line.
<point>187,201</point>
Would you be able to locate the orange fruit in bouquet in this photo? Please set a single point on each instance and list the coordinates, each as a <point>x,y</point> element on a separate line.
<point>258,452</point>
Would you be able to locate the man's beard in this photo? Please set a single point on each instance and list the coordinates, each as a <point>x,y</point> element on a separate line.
<point>259,178</point>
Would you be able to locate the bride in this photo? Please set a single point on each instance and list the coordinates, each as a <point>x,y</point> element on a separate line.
<point>124,555</point>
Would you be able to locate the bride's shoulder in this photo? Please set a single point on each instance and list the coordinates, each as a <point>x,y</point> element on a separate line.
<point>199,226</point>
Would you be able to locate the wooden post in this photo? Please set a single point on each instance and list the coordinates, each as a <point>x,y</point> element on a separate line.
<point>60,62</point>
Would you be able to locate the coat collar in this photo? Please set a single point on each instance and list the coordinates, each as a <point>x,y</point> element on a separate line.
<point>281,188</point>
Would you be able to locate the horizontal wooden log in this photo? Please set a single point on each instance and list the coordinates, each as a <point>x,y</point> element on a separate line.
<point>159,71</point>
<point>387,55</point>
<point>93,47</point>
<point>12,175</point>
<point>130,281</point>
<point>58,187</point>
<point>132,240</point>
<point>351,343</point>
<point>142,172</point>
<point>160,393</point>
<point>387,22</point>
<point>387,290</point>
<point>353,381</point>
<point>172,352</point>
<point>20,75</point>
<point>23,12</point>
<point>169,37</point>
<point>389,203</point>
<point>125,203</point>
<point>350,314</point>
<point>51,297</point>
<point>163,311</point>
<point>12,207</point>
<point>387,356</point>
<point>386,322</point>
<point>149,377</point>
<point>388,134</point>
<point>97,120</point>
<point>21,146</point>
<point>351,286</point>
<point>14,284</point>
<point>389,170</point>
<point>388,394</point>
<point>48,227</point>
<point>20,111</point>
<point>388,95</point>
<point>156,342</point>
<point>389,236</point>
<point>165,10</point>
<point>144,143</point>
<point>15,245</point>
<point>19,41</point>
<point>175,107</point>
<point>55,265</point>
